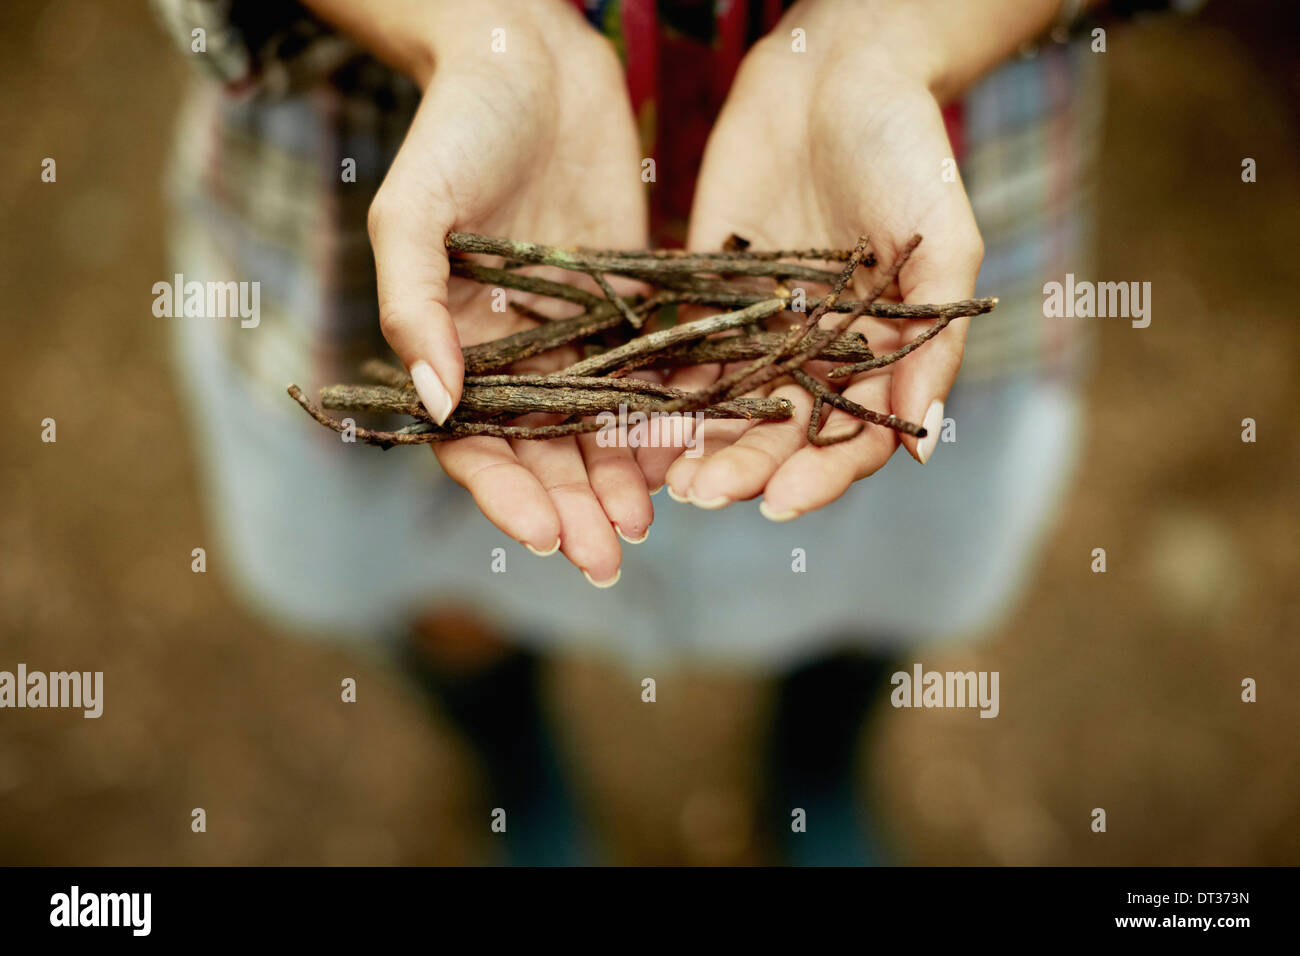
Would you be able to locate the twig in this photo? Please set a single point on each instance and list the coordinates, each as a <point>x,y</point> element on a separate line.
<point>538,395</point>
<point>533,314</point>
<point>633,319</point>
<point>381,373</point>
<point>688,331</point>
<point>844,371</point>
<point>648,268</point>
<point>521,345</point>
<point>720,296</point>
<point>800,357</point>
<point>876,291</point>
<point>815,423</point>
<point>434,433</point>
<point>739,348</point>
<point>736,280</point>
<point>531,284</point>
<point>836,400</point>
<point>738,255</point>
<point>740,377</point>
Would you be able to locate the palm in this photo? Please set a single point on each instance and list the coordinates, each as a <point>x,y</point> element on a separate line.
<point>544,155</point>
<point>834,165</point>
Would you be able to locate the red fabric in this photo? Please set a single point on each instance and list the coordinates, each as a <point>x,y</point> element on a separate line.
<point>953,119</point>
<point>678,83</point>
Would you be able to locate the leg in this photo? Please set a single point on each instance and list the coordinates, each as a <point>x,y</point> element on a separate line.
<point>817,723</point>
<point>489,692</point>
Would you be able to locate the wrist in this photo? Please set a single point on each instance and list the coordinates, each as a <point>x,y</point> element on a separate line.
<point>943,46</point>
<point>414,36</point>
<point>849,41</point>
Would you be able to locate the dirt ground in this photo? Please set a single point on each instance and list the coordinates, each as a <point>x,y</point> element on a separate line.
<point>1132,676</point>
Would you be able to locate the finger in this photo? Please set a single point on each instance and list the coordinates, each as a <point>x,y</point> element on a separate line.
<point>505,491</point>
<point>586,535</point>
<point>741,470</point>
<point>411,271</point>
<point>711,437</point>
<point>660,450</point>
<point>921,381</point>
<point>815,476</point>
<point>619,486</point>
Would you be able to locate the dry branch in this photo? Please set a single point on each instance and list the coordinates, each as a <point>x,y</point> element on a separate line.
<point>750,285</point>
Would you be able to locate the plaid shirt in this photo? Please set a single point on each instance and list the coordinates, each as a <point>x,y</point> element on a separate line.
<point>257,190</point>
<point>344,543</point>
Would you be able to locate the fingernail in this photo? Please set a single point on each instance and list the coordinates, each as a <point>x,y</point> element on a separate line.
<point>619,532</point>
<point>542,554</point>
<point>657,490</point>
<point>932,423</point>
<point>771,514</point>
<point>432,392</point>
<point>713,504</point>
<point>603,584</point>
<point>684,499</point>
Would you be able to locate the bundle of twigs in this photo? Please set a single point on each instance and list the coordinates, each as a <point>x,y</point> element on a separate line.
<point>753,286</point>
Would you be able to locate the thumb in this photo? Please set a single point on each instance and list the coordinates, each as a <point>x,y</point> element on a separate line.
<point>920,383</point>
<point>409,242</point>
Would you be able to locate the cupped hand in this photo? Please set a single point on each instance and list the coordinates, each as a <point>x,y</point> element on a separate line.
<point>534,141</point>
<point>813,151</point>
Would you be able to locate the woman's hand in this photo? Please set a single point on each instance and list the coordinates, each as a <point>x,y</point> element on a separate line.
<point>525,131</point>
<point>814,149</point>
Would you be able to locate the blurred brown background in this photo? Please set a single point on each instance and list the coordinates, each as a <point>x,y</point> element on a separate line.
<point>1129,681</point>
